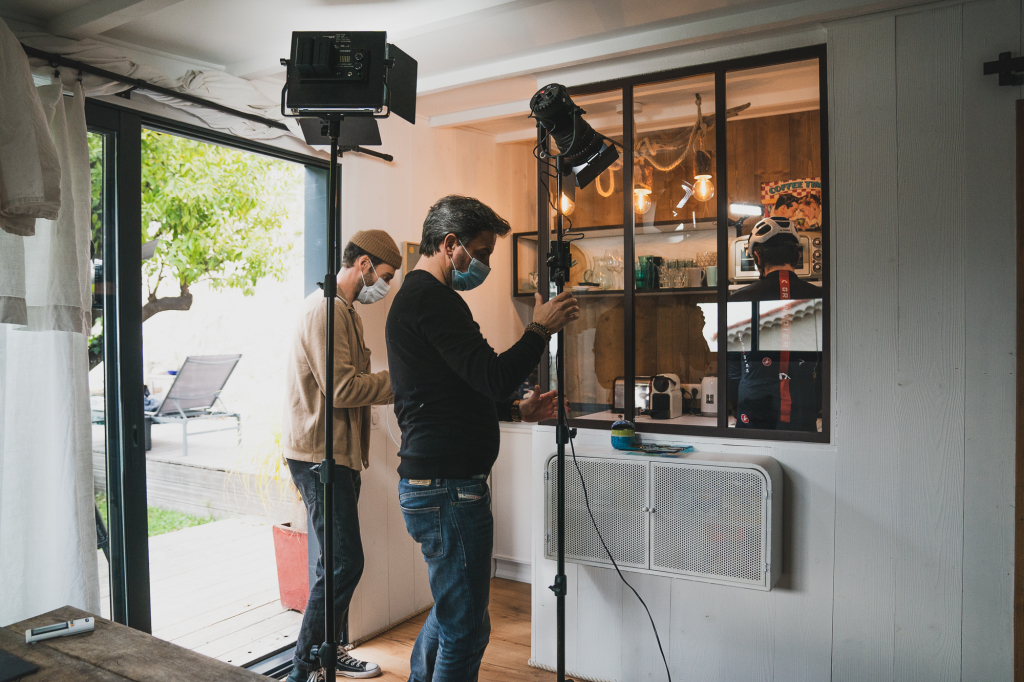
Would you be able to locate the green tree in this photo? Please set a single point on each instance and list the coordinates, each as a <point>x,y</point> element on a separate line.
<point>218,214</point>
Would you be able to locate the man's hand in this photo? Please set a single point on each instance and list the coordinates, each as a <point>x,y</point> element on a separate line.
<point>556,313</point>
<point>537,406</point>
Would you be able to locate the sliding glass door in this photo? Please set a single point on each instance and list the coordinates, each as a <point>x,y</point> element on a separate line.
<point>198,244</point>
<point>115,377</point>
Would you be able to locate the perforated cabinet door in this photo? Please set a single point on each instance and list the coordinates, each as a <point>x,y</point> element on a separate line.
<point>618,499</point>
<point>709,522</point>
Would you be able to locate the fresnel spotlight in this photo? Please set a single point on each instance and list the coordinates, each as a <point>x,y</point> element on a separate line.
<point>583,152</point>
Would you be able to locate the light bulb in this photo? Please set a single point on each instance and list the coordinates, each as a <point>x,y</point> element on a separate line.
<point>703,189</point>
<point>568,205</point>
<point>642,200</point>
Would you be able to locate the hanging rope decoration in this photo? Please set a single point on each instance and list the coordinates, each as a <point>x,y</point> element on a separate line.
<point>687,140</point>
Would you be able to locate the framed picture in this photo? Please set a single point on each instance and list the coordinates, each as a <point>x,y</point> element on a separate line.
<point>798,200</point>
<point>410,256</point>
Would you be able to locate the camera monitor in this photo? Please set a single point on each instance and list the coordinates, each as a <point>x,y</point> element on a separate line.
<point>354,73</point>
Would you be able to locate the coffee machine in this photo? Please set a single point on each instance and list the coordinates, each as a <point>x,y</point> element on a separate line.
<point>666,397</point>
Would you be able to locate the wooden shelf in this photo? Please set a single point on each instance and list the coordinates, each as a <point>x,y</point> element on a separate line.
<point>639,292</point>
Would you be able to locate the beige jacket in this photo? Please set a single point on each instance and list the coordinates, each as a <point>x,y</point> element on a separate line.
<point>355,389</point>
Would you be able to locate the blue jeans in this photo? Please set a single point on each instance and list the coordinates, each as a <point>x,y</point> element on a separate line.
<point>348,553</point>
<point>451,520</point>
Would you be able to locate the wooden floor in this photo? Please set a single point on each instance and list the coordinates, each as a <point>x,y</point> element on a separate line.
<point>506,656</point>
<point>214,590</point>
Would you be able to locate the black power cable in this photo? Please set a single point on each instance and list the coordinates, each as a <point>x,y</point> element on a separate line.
<point>586,500</point>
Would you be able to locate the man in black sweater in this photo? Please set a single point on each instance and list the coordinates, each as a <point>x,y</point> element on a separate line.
<point>451,389</point>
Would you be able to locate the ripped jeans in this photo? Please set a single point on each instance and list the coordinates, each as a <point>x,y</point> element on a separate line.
<point>451,520</point>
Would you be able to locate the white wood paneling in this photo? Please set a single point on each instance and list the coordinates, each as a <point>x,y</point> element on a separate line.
<point>931,224</point>
<point>641,659</point>
<point>510,497</point>
<point>803,618</point>
<point>988,179</point>
<point>862,133</point>
<point>710,632</point>
<point>598,616</point>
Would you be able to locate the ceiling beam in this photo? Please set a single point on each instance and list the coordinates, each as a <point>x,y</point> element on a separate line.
<point>99,16</point>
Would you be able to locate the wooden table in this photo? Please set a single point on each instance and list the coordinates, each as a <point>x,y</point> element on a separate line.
<point>112,653</point>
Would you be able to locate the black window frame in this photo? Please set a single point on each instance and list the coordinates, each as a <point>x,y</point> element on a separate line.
<point>719,70</point>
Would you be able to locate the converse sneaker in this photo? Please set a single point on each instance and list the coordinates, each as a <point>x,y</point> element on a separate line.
<point>353,667</point>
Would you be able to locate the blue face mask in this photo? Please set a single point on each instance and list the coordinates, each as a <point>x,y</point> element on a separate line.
<point>473,277</point>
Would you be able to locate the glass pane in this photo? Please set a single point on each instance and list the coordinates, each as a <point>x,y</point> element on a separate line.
<point>100,163</point>
<point>222,275</point>
<point>676,273</point>
<point>775,341</point>
<point>594,344</point>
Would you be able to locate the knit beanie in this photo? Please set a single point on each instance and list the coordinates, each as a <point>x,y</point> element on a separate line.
<point>380,244</point>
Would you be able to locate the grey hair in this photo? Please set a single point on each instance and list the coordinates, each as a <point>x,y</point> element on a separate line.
<point>465,217</point>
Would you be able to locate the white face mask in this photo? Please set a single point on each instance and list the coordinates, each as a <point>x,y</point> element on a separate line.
<point>379,290</point>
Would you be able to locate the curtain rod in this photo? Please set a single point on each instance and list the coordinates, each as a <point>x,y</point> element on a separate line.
<point>139,84</point>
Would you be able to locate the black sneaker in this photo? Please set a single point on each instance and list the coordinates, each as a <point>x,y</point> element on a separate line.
<point>353,667</point>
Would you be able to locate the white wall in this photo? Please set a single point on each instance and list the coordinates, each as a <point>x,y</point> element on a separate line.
<point>899,536</point>
<point>923,205</point>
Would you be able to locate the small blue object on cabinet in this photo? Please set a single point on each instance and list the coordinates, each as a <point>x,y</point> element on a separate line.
<point>623,435</point>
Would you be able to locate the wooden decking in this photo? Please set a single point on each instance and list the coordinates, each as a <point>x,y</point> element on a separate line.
<point>214,590</point>
<point>218,478</point>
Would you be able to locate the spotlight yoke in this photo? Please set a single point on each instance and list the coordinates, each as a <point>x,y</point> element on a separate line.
<point>351,73</point>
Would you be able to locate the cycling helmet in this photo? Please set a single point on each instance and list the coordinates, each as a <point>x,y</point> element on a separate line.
<point>767,228</point>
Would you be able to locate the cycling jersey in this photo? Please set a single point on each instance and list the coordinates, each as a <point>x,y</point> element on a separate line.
<point>776,389</point>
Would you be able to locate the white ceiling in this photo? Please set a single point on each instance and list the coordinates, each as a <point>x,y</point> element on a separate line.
<point>479,60</point>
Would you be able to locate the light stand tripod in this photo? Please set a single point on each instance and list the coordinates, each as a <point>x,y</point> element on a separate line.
<point>326,653</point>
<point>559,262</point>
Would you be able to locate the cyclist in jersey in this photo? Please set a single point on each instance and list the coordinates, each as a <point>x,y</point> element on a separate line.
<point>778,388</point>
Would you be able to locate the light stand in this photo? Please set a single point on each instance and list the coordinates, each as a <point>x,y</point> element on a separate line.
<point>326,653</point>
<point>559,263</point>
<point>331,74</point>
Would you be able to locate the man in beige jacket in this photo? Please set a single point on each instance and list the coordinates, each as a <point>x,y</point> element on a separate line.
<point>369,263</point>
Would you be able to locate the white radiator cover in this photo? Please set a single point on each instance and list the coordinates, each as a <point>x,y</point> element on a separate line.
<point>704,517</point>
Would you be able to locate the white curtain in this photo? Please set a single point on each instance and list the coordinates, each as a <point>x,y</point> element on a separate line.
<point>47,519</point>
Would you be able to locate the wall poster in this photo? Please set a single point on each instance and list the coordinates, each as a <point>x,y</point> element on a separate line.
<point>798,200</point>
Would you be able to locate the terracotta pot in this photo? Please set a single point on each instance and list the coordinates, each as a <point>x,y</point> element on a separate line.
<point>292,566</point>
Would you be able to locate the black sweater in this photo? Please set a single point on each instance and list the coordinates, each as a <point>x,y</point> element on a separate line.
<point>450,386</point>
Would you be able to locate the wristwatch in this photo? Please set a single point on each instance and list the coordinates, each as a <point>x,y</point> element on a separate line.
<point>517,416</point>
